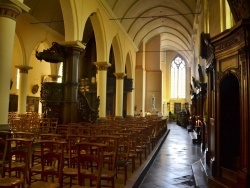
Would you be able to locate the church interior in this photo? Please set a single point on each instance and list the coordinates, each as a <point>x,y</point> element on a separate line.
<point>138,64</point>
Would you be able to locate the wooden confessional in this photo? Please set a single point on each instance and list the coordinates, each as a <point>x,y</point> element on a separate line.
<point>228,93</point>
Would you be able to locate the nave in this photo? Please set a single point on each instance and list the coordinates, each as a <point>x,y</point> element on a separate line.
<point>172,167</point>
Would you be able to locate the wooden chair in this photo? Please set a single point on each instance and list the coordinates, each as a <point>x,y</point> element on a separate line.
<point>35,126</point>
<point>51,136</point>
<point>53,125</point>
<point>63,130</point>
<point>3,148</point>
<point>109,158</point>
<point>26,123</point>
<point>73,128</point>
<point>70,157</point>
<point>142,143</point>
<point>16,124</point>
<point>89,164</point>
<point>134,152</point>
<point>51,165</point>
<point>13,181</point>
<point>28,135</point>
<point>44,125</point>
<point>123,153</point>
<point>84,131</point>
<point>36,152</point>
<point>18,152</point>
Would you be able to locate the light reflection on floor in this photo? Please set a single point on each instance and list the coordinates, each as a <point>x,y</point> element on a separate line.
<point>172,166</point>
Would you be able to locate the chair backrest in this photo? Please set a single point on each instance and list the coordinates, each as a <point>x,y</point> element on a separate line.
<point>110,151</point>
<point>51,136</point>
<point>133,140</point>
<point>84,131</point>
<point>16,124</point>
<point>71,147</point>
<point>3,146</point>
<point>53,125</point>
<point>123,146</point>
<point>45,125</point>
<point>89,162</point>
<point>19,150</point>
<point>52,155</point>
<point>63,130</point>
<point>28,135</point>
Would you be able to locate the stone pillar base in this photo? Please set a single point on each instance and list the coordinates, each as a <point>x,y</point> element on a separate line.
<point>4,127</point>
<point>101,121</point>
<point>118,117</point>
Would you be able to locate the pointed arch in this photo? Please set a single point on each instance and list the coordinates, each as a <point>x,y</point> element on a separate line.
<point>69,18</point>
<point>129,65</point>
<point>98,27</point>
<point>119,65</point>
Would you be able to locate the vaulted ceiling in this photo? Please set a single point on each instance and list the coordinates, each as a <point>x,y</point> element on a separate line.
<point>46,12</point>
<point>142,19</point>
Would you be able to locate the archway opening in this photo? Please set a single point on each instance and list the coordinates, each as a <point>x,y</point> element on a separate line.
<point>229,122</point>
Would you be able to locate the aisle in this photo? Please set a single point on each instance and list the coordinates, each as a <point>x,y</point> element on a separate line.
<point>172,166</point>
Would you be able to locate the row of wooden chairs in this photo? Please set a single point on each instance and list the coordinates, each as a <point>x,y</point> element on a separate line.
<point>132,141</point>
<point>34,125</point>
<point>51,167</point>
<point>14,160</point>
<point>52,158</point>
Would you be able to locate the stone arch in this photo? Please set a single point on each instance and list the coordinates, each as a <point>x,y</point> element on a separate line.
<point>19,51</point>
<point>98,27</point>
<point>69,20</point>
<point>229,122</point>
<point>18,59</point>
<point>119,65</point>
<point>40,68</point>
<point>129,65</point>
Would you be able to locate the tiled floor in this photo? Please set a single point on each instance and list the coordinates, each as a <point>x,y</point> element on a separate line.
<point>172,165</point>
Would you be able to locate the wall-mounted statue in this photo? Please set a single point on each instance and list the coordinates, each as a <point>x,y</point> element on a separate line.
<point>196,83</point>
<point>201,77</point>
<point>191,90</point>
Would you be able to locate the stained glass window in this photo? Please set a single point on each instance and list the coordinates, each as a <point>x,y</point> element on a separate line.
<point>178,78</point>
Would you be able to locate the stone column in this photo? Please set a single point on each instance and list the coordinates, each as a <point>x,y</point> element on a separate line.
<point>54,71</point>
<point>71,81</point>
<point>130,104</point>
<point>119,94</point>
<point>140,85</point>
<point>22,94</point>
<point>102,87</point>
<point>8,14</point>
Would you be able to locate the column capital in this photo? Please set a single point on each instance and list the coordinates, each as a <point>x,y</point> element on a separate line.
<point>54,77</point>
<point>102,65</point>
<point>120,75</point>
<point>23,68</point>
<point>12,8</point>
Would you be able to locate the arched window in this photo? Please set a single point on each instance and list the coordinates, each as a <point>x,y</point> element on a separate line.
<point>178,78</point>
